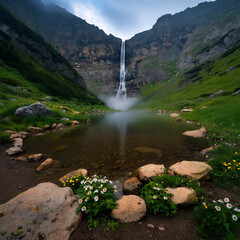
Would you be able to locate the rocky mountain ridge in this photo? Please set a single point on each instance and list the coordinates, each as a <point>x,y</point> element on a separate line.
<point>176,42</point>
<point>93,54</point>
<point>181,41</point>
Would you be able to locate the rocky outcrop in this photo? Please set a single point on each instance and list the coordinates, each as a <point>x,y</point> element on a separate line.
<point>149,171</point>
<point>33,110</point>
<point>130,209</point>
<point>74,173</point>
<point>194,169</point>
<point>132,186</point>
<point>182,195</point>
<point>43,212</point>
<point>200,133</point>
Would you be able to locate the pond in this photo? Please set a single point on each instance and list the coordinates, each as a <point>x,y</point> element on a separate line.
<point>115,145</point>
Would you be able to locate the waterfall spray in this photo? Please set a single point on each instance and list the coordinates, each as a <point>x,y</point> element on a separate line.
<point>122,91</point>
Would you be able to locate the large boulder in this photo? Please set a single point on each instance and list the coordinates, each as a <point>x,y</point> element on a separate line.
<point>149,171</point>
<point>74,173</point>
<point>42,212</point>
<point>130,208</point>
<point>194,169</point>
<point>200,133</point>
<point>132,186</point>
<point>35,109</point>
<point>182,195</point>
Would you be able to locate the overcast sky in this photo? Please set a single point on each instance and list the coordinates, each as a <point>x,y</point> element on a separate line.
<point>123,18</point>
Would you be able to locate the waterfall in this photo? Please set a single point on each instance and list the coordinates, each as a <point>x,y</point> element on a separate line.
<point>120,101</point>
<point>122,91</point>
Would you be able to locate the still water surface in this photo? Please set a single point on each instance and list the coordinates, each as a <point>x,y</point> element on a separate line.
<point>115,145</point>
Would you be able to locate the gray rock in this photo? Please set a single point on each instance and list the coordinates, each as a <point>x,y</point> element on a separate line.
<point>32,110</point>
<point>236,93</point>
<point>42,212</point>
<point>1,104</point>
<point>48,98</point>
<point>216,94</point>
<point>64,119</point>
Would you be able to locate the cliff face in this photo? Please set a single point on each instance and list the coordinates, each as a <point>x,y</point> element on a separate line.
<point>36,63</point>
<point>176,42</point>
<point>93,54</point>
<point>181,41</point>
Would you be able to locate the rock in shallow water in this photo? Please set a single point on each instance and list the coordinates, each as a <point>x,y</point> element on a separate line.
<point>45,210</point>
<point>48,163</point>
<point>13,151</point>
<point>74,173</point>
<point>200,133</point>
<point>35,109</point>
<point>149,171</point>
<point>130,208</point>
<point>132,186</point>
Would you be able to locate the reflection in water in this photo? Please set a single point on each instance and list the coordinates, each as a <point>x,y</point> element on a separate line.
<point>121,120</point>
<point>115,145</point>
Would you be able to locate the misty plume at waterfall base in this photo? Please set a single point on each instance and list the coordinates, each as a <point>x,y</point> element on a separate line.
<point>121,101</point>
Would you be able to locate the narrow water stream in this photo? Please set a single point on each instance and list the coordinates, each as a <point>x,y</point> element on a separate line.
<point>115,145</point>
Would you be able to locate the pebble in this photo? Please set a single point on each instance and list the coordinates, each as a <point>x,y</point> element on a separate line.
<point>162,229</point>
<point>140,223</point>
<point>151,226</point>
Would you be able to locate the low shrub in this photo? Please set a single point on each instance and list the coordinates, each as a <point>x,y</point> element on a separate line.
<point>96,199</point>
<point>158,199</point>
<point>218,220</point>
<point>226,169</point>
<point>176,181</point>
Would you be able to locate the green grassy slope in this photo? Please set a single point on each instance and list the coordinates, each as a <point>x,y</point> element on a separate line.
<point>221,116</point>
<point>25,79</point>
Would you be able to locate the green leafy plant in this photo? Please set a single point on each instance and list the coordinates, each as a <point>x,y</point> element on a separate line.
<point>218,220</point>
<point>96,199</point>
<point>158,199</point>
<point>166,180</point>
<point>226,167</point>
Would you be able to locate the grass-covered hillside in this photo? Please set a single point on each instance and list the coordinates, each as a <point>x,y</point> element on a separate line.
<point>220,115</point>
<point>30,70</point>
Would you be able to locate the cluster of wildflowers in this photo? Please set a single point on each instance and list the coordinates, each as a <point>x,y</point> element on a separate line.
<point>96,196</point>
<point>233,165</point>
<point>219,219</point>
<point>158,199</point>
